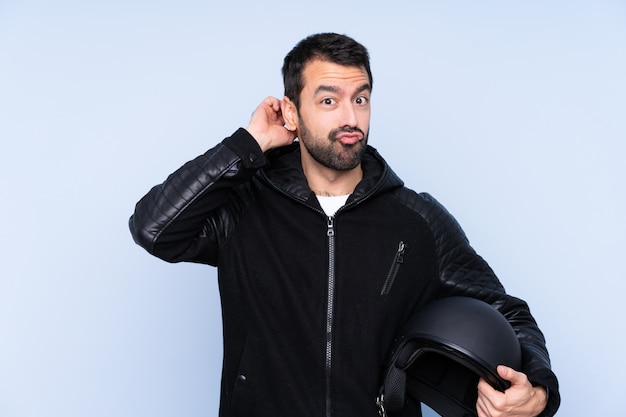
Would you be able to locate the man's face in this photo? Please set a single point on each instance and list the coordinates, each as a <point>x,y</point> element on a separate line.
<point>334,115</point>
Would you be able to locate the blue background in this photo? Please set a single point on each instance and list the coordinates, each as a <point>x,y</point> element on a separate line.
<point>511,113</point>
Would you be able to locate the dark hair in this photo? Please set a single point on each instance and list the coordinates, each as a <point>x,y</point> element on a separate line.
<point>331,47</point>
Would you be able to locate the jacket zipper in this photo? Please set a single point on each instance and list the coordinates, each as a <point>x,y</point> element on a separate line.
<point>330,233</point>
<point>395,267</point>
<point>330,303</point>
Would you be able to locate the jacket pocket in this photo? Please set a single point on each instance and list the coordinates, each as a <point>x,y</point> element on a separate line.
<point>242,402</point>
<point>398,260</point>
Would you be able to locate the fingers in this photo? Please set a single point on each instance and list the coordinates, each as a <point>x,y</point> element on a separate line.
<point>273,103</point>
<point>520,399</point>
<point>271,107</point>
<point>487,397</point>
<point>484,386</point>
<point>482,408</point>
<point>511,375</point>
<point>267,125</point>
<point>267,112</point>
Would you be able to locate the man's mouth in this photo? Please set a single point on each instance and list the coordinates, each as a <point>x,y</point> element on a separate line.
<point>349,137</point>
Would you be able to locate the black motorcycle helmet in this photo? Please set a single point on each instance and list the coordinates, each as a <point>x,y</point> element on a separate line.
<point>442,352</point>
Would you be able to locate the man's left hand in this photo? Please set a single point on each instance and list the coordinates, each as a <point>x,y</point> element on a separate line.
<point>521,399</point>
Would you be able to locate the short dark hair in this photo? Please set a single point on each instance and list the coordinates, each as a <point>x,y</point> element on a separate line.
<point>331,47</point>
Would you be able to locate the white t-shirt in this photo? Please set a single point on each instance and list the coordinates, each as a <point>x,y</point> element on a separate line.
<point>330,204</point>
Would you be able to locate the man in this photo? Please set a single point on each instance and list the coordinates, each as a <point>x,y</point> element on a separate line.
<point>322,253</point>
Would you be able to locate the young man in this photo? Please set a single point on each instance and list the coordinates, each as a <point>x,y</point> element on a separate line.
<point>307,237</point>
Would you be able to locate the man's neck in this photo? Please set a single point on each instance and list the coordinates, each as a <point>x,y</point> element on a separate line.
<point>330,182</point>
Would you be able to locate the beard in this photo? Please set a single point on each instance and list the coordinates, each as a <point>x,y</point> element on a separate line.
<point>331,153</point>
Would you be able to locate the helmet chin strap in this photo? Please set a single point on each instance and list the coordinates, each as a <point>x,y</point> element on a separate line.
<point>393,393</point>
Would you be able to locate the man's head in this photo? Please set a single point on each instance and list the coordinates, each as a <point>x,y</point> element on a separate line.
<point>328,85</point>
<point>330,47</point>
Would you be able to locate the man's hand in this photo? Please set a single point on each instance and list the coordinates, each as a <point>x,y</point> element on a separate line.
<point>520,400</point>
<point>267,125</point>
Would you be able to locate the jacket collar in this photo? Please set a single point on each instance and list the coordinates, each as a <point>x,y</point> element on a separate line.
<point>284,172</point>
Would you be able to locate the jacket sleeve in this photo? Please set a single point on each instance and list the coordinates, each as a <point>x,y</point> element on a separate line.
<point>185,217</point>
<point>463,272</point>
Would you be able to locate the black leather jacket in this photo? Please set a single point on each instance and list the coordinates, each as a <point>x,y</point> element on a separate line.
<point>311,303</point>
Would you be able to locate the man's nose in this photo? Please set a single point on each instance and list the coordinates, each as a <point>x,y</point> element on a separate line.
<point>348,115</point>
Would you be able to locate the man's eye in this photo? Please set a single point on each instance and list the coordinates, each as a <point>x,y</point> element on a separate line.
<point>328,101</point>
<point>361,100</point>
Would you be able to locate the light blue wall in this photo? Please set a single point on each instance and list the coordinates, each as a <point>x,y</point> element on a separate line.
<point>511,113</point>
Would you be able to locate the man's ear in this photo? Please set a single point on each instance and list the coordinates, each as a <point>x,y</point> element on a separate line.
<point>290,113</point>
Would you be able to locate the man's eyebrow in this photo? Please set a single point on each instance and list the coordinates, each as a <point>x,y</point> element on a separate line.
<point>364,87</point>
<point>335,89</point>
<point>327,88</point>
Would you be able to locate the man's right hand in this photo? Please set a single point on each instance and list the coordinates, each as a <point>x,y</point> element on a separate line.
<point>267,125</point>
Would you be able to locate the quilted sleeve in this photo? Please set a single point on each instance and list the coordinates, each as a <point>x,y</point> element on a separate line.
<point>184,218</point>
<point>463,272</point>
